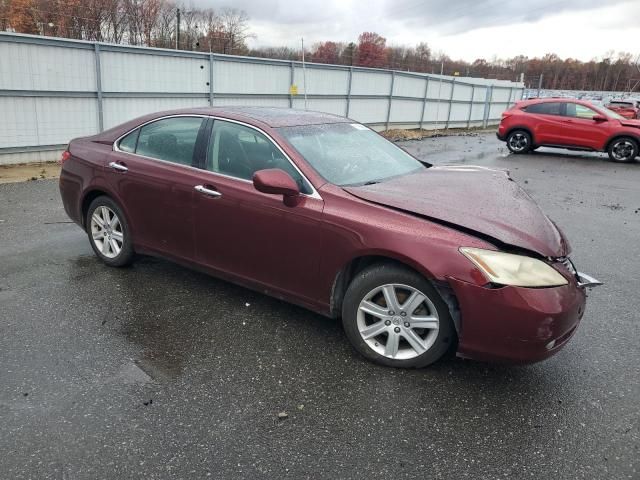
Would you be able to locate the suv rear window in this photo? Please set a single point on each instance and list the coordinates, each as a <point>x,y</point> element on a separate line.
<point>549,108</point>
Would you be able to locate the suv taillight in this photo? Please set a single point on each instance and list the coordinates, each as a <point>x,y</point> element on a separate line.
<point>65,156</point>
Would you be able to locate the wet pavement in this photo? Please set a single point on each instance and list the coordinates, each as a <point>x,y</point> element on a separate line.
<point>156,371</point>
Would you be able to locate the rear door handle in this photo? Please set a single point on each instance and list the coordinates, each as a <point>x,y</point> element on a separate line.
<point>207,191</point>
<point>118,166</point>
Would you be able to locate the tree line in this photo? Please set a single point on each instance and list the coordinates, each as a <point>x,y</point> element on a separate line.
<point>155,23</point>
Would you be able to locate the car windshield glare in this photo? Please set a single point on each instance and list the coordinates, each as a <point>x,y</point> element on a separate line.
<point>348,154</point>
<point>612,114</point>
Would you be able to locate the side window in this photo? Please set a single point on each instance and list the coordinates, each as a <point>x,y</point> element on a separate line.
<point>171,139</point>
<point>240,151</point>
<point>549,108</point>
<point>128,143</point>
<point>579,111</point>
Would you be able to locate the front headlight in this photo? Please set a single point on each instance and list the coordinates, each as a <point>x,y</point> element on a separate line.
<point>515,270</point>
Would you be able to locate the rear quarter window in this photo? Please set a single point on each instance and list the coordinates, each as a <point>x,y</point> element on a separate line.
<point>128,143</point>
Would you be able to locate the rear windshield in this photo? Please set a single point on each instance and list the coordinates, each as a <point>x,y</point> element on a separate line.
<point>621,104</point>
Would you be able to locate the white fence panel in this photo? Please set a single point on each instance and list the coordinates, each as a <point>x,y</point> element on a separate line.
<point>409,87</point>
<point>320,81</point>
<point>131,72</point>
<point>244,77</point>
<point>369,110</point>
<point>41,67</point>
<point>370,83</point>
<point>406,111</point>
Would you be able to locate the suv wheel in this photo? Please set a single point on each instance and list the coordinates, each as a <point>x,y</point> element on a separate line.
<point>109,233</point>
<point>393,316</point>
<point>519,141</point>
<point>623,149</point>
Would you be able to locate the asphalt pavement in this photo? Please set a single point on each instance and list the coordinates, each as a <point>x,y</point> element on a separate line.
<point>156,371</point>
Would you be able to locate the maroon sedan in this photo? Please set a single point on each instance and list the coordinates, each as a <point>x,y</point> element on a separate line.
<point>325,213</point>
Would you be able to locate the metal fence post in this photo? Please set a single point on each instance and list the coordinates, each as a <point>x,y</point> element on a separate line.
<point>487,105</point>
<point>473,93</point>
<point>349,91</point>
<point>291,80</point>
<point>96,47</point>
<point>211,79</point>
<point>510,95</point>
<point>393,81</point>
<point>453,87</point>
<point>424,102</point>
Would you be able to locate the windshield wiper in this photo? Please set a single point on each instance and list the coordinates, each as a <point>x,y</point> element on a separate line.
<point>371,182</point>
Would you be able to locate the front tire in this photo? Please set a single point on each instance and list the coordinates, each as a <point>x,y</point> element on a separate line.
<point>109,232</point>
<point>623,149</point>
<point>519,141</point>
<point>394,317</point>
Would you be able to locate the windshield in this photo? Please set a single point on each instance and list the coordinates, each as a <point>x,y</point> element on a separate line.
<point>611,114</point>
<point>348,154</point>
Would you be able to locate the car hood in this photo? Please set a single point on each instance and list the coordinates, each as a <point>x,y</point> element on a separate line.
<point>630,123</point>
<point>478,200</point>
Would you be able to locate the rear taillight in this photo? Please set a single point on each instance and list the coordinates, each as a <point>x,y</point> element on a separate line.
<point>65,156</point>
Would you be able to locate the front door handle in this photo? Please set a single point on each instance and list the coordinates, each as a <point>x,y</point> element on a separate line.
<point>207,191</point>
<point>118,166</point>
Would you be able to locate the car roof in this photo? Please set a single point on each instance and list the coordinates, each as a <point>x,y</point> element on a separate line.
<point>274,116</point>
<point>533,101</point>
<point>265,117</point>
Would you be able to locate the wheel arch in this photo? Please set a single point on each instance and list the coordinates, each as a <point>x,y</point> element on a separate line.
<point>524,128</point>
<point>357,264</point>
<point>90,195</point>
<point>349,270</point>
<point>618,136</point>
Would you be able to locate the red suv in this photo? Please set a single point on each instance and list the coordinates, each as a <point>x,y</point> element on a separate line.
<point>571,124</point>
<point>625,108</point>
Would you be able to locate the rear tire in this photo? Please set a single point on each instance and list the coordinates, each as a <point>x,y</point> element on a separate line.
<point>393,316</point>
<point>519,141</point>
<point>109,233</point>
<point>623,149</point>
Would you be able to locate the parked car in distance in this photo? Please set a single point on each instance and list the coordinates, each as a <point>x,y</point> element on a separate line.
<point>325,213</point>
<point>569,123</point>
<point>625,108</point>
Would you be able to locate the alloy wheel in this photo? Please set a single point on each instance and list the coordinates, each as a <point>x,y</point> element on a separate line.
<point>398,321</point>
<point>623,150</point>
<point>518,142</point>
<point>106,231</point>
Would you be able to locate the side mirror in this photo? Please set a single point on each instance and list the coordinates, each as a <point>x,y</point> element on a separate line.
<point>277,182</point>
<point>599,118</point>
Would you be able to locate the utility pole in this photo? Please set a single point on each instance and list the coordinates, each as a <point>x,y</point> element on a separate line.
<point>178,29</point>
<point>540,83</point>
<point>304,76</point>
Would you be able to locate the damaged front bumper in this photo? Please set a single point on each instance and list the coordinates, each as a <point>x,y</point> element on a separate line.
<point>518,325</point>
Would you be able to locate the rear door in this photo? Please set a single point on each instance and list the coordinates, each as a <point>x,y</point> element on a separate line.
<point>252,235</point>
<point>580,129</point>
<point>546,121</point>
<point>152,172</point>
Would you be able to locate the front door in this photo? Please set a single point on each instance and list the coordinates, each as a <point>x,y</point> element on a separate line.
<point>581,129</point>
<point>249,234</point>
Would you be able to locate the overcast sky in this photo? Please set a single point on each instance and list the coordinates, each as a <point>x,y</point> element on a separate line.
<point>466,29</point>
